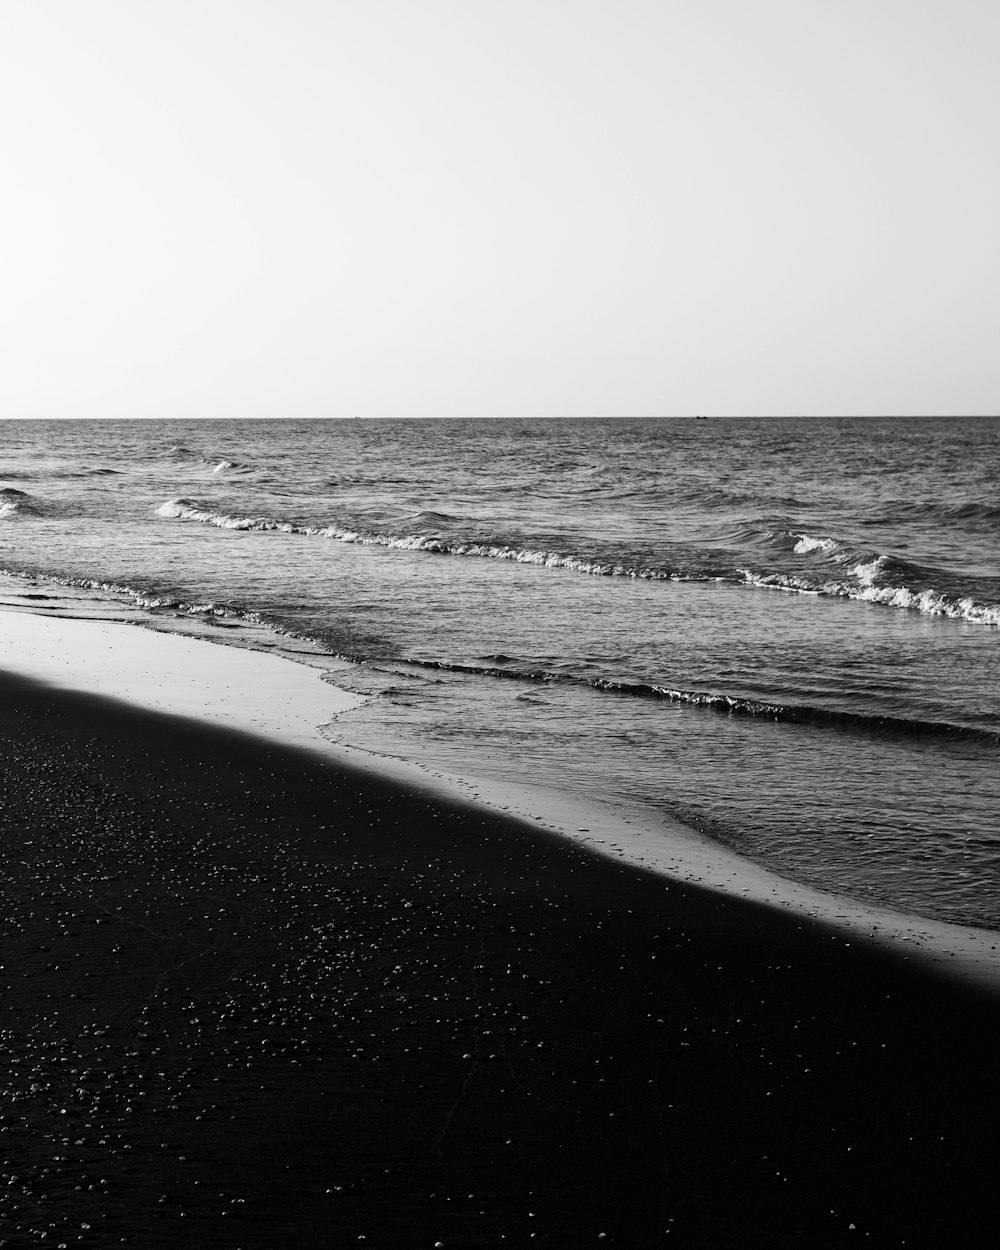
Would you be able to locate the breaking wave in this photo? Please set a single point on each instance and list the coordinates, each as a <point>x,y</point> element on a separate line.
<point>928,601</point>
<point>14,503</point>
<point>858,570</point>
<point>190,510</point>
<point>807,543</point>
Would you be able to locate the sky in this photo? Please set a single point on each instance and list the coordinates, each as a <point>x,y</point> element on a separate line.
<point>330,208</point>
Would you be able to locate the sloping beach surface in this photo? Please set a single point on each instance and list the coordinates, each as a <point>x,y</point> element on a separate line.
<point>257,997</point>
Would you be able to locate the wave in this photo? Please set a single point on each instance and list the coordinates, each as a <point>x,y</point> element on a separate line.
<point>906,510</point>
<point>44,475</point>
<point>808,714</point>
<point>218,463</point>
<point>190,510</point>
<point>973,510</point>
<point>430,517</point>
<point>807,543</point>
<point>928,601</point>
<point>141,599</point>
<point>840,569</point>
<point>862,567</point>
<point>717,497</point>
<point>862,563</point>
<point>730,705</point>
<point>15,503</point>
<point>781,534</point>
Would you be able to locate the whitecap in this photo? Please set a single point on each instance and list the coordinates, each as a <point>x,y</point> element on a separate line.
<point>807,543</point>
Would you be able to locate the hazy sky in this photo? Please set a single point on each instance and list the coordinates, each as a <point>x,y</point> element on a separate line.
<point>499,207</point>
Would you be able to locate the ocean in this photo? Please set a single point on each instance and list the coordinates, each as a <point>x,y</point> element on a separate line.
<point>784,633</point>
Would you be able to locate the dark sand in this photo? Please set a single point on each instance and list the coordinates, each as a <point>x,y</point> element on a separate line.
<point>255,1000</point>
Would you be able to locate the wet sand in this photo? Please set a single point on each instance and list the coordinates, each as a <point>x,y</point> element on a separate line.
<point>254,998</point>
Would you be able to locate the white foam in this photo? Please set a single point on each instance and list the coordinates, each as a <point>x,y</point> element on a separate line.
<point>930,602</point>
<point>191,510</point>
<point>14,502</point>
<point>807,543</point>
<point>866,572</point>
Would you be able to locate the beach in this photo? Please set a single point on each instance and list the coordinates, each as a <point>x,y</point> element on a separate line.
<point>499,621</point>
<point>259,997</point>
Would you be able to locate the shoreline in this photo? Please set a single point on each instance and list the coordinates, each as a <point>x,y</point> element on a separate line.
<point>290,704</point>
<point>258,998</point>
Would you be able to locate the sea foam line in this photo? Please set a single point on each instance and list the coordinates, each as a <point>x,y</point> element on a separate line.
<point>152,603</point>
<point>731,705</point>
<point>188,510</point>
<point>926,601</point>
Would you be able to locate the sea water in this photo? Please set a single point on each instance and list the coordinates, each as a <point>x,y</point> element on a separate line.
<point>785,633</point>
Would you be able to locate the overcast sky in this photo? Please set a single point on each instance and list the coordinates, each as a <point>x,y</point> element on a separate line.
<point>499,207</point>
